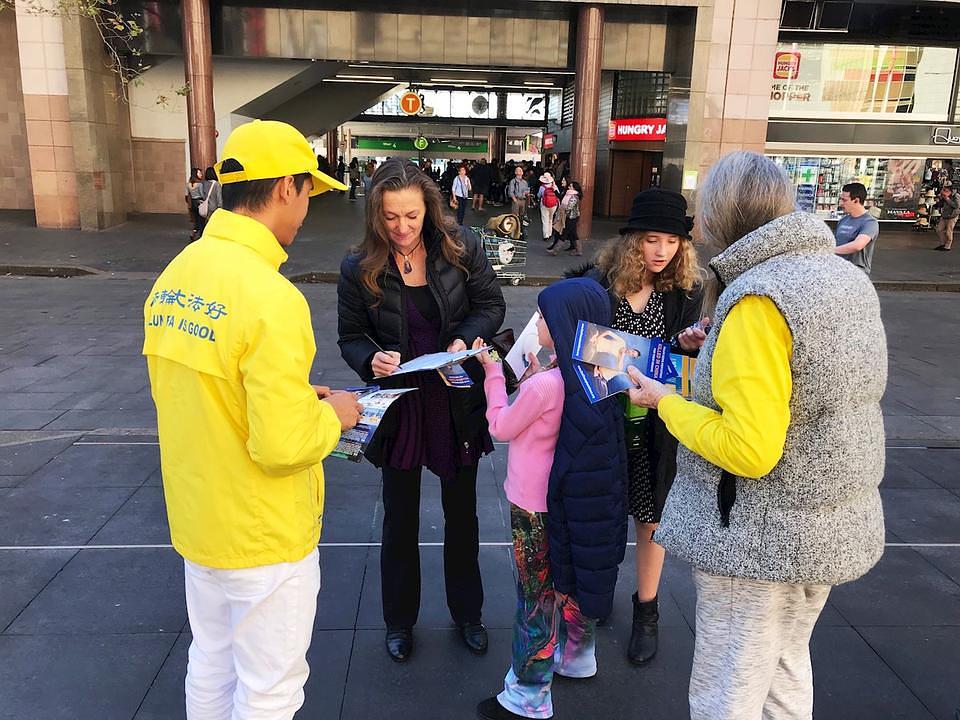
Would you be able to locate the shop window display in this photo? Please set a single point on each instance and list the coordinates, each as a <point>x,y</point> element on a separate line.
<point>935,173</point>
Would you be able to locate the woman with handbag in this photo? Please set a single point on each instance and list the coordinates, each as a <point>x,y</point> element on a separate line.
<point>419,284</point>
<point>460,192</point>
<point>570,212</point>
<point>212,197</point>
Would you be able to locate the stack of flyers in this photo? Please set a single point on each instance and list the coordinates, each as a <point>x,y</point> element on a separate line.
<point>375,402</point>
<point>602,355</point>
<point>445,363</point>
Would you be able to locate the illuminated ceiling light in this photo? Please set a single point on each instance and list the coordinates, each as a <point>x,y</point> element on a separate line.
<point>365,77</point>
<point>365,80</point>
<point>462,81</point>
<point>529,82</point>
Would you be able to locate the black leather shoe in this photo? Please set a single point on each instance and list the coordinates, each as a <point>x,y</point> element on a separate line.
<point>491,709</point>
<point>474,636</point>
<point>399,644</point>
<point>643,638</point>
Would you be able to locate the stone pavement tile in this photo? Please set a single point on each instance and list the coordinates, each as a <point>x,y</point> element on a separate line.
<point>28,419</point>
<point>141,521</point>
<point>99,466</point>
<point>95,378</point>
<point>86,400</point>
<point>922,516</point>
<point>17,378</point>
<point>657,691</point>
<point>349,513</point>
<point>28,400</point>
<point>155,479</point>
<point>23,574</point>
<point>926,660</point>
<point>10,481</point>
<point>343,472</point>
<point>53,516</point>
<point>941,465</point>
<point>27,457</point>
<point>343,574</point>
<point>130,401</point>
<point>852,683</point>
<point>908,427</point>
<point>97,419</point>
<point>903,589</point>
<point>442,679</point>
<point>110,591</point>
<point>164,699</point>
<point>329,658</point>
<point>80,677</point>
<point>945,559</point>
<point>499,590</point>
<point>901,472</point>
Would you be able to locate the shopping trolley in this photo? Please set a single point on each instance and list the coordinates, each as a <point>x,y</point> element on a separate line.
<point>505,246</point>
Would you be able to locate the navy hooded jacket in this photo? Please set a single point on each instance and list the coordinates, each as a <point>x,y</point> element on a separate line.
<point>587,494</point>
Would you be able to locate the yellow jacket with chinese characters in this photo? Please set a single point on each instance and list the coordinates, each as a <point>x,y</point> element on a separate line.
<point>229,345</point>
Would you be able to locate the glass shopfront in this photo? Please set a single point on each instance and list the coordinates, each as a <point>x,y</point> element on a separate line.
<point>897,188</point>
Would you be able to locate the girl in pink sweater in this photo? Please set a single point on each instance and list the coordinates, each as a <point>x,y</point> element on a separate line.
<point>531,426</point>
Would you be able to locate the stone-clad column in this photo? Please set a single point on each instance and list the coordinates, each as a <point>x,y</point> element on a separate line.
<point>583,158</point>
<point>198,70</point>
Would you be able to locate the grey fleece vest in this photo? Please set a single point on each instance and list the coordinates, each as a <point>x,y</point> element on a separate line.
<point>817,517</point>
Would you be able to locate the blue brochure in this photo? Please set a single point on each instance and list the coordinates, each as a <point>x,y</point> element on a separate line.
<point>602,355</point>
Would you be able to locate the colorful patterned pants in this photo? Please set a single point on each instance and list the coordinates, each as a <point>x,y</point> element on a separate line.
<point>549,632</point>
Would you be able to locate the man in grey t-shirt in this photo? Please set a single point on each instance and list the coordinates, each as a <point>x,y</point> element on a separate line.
<point>857,231</point>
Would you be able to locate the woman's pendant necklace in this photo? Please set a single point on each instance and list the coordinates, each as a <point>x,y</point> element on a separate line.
<point>407,267</point>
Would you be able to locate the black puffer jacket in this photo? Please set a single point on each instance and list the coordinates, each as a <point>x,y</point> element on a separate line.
<point>471,306</point>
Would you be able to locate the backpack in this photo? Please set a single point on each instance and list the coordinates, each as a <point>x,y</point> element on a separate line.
<point>550,197</point>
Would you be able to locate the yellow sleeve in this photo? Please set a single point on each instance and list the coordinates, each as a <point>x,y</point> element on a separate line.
<point>290,429</point>
<point>752,384</point>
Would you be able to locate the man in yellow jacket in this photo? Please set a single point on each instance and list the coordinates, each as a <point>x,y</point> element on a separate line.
<point>229,346</point>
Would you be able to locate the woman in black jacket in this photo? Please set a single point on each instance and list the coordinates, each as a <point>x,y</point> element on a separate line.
<point>420,284</point>
<point>654,282</point>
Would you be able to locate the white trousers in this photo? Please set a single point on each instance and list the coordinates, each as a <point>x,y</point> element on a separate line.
<point>546,217</point>
<point>251,631</point>
<point>751,659</point>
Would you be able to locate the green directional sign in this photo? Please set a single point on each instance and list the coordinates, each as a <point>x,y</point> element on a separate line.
<point>415,145</point>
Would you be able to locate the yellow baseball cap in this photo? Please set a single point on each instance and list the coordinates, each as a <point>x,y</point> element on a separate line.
<point>270,149</point>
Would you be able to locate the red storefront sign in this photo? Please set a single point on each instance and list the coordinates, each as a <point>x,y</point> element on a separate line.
<point>548,140</point>
<point>634,129</point>
<point>786,66</point>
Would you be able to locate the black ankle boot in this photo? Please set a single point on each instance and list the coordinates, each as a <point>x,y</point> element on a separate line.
<point>643,638</point>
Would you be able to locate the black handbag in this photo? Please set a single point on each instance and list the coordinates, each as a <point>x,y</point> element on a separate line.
<point>503,343</point>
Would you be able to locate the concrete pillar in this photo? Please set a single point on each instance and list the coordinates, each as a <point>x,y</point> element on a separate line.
<point>734,51</point>
<point>498,145</point>
<point>198,71</point>
<point>332,148</point>
<point>583,158</point>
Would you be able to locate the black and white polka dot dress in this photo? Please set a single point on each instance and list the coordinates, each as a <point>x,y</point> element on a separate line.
<point>649,323</point>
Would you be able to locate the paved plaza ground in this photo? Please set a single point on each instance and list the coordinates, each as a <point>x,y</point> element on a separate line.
<point>92,618</point>
<point>903,260</point>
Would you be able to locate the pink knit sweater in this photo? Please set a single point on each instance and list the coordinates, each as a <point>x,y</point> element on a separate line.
<point>531,425</point>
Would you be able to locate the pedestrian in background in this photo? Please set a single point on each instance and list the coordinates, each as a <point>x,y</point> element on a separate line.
<point>212,197</point>
<point>193,195</point>
<point>548,195</point>
<point>391,309</point>
<point>461,190</point>
<point>354,177</point>
<point>857,231</point>
<point>949,210</point>
<point>518,192</point>
<point>229,345</point>
<point>776,496</point>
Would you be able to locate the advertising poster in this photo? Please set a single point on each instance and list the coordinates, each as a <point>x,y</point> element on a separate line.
<point>807,198</point>
<point>902,190</point>
<point>847,81</point>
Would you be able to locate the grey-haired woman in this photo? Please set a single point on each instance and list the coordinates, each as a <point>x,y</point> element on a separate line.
<point>776,496</point>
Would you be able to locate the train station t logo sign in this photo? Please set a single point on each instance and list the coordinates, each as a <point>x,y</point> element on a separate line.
<point>637,129</point>
<point>411,103</point>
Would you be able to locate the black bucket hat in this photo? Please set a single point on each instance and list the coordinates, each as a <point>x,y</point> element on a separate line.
<point>660,211</point>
